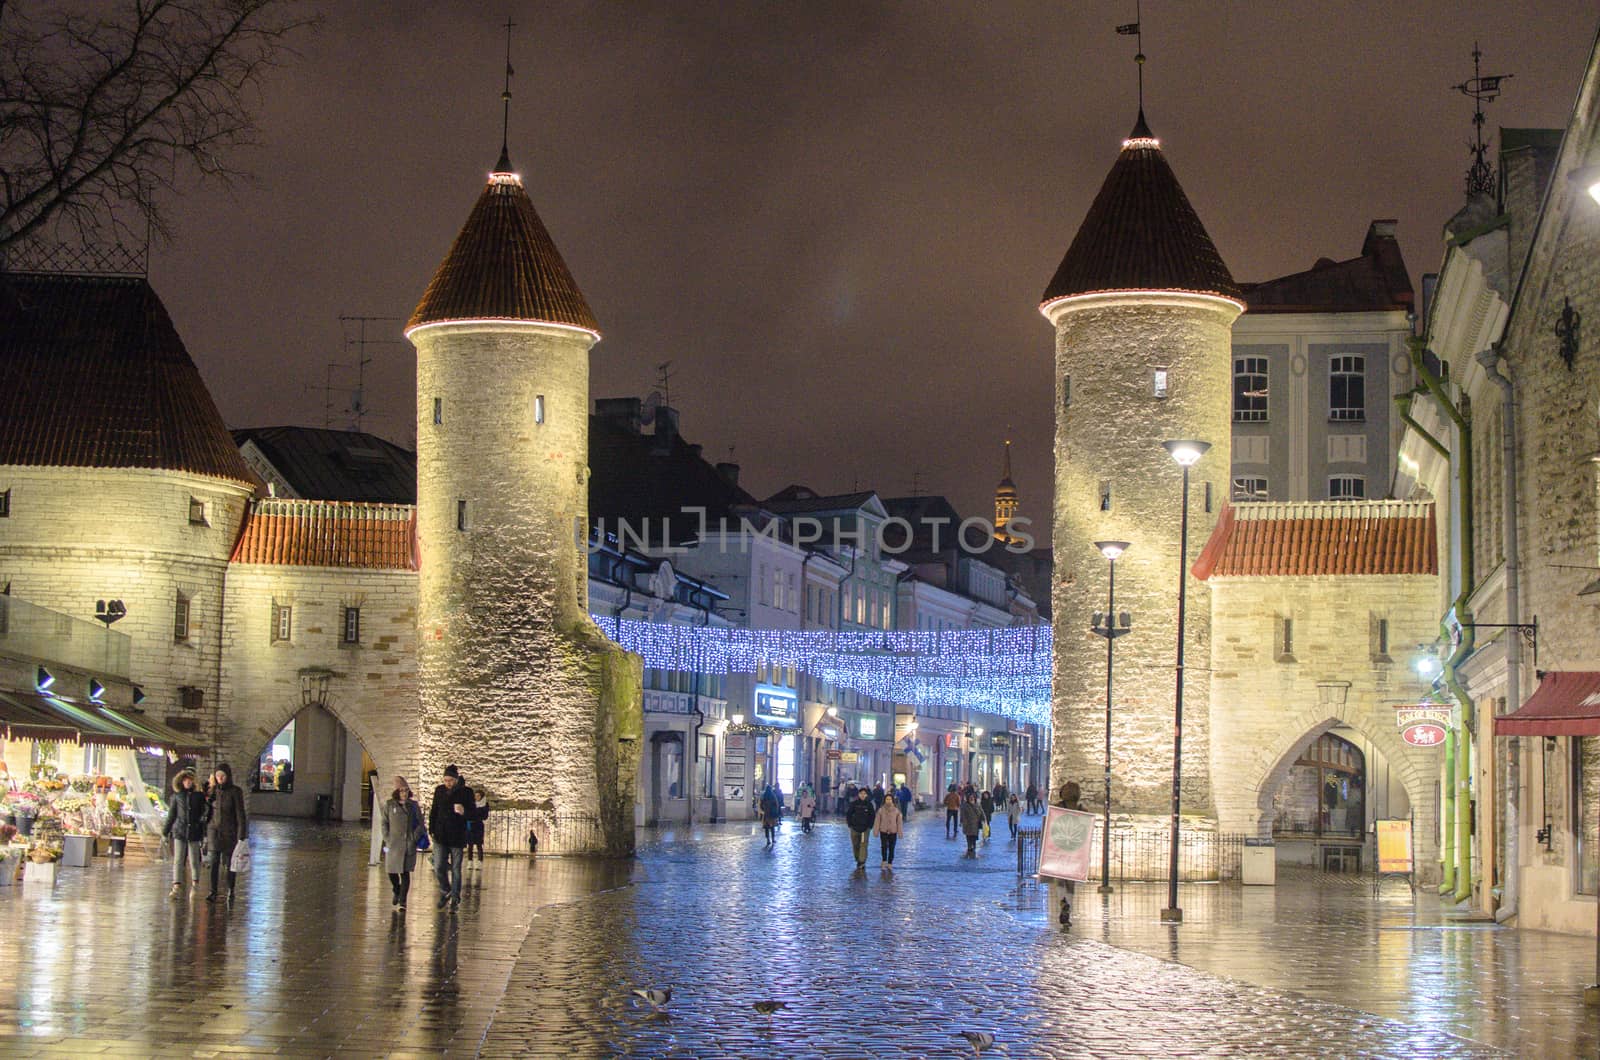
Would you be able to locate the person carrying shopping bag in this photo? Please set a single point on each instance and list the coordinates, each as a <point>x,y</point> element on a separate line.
<point>226,826</point>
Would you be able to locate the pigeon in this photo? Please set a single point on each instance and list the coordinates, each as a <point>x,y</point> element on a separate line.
<point>981,1040</point>
<point>656,999</point>
<point>767,1008</point>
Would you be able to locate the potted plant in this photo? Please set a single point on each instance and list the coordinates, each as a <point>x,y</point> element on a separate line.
<point>41,867</point>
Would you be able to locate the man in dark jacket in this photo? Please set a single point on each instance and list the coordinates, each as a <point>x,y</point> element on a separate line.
<point>447,825</point>
<point>859,818</point>
<point>186,827</point>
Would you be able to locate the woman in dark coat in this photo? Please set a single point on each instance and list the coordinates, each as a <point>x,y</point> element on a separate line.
<point>769,815</point>
<point>226,825</point>
<point>186,827</point>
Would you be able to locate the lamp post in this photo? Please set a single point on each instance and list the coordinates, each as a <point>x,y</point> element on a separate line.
<point>1110,625</point>
<point>973,732</point>
<point>1187,454</point>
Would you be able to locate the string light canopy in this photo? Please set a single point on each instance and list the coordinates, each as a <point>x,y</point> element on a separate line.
<point>1001,671</point>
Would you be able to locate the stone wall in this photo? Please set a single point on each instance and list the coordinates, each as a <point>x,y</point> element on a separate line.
<point>1268,707</point>
<point>1109,430</point>
<point>517,685</point>
<point>78,535</point>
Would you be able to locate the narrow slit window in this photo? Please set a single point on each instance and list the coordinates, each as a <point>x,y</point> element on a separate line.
<point>1066,391</point>
<point>1285,638</point>
<point>538,409</point>
<point>282,622</point>
<point>1160,379</point>
<point>438,410</point>
<point>5,504</point>
<point>461,515</point>
<point>352,625</point>
<point>1105,495</point>
<point>180,618</point>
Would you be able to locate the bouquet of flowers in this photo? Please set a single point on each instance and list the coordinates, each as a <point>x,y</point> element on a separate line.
<point>82,785</point>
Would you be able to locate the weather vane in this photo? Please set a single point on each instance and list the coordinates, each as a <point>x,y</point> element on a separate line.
<point>1132,29</point>
<point>1481,88</point>
<point>505,99</point>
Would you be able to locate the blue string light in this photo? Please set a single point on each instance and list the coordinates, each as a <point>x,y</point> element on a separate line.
<point>1002,671</point>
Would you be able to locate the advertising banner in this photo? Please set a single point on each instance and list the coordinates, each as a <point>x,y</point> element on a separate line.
<point>1064,844</point>
<point>1394,846</point>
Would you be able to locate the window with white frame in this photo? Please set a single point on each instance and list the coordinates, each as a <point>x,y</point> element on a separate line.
<point>1249,389</point>
<point>1347,387</point>
<point>1160,379</point>
<point>282,622</point>
<point>197,512</point>
<point>352,625</point>
<point>1249,488</point>
<point>1347,487</point>
<point>180,616</point>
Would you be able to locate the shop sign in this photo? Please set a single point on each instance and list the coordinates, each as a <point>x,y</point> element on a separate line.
<point>1424,725</point>
<point>777,704</point>
<point>999,739</point>
<point>848,758</point>
<point>834,756</point>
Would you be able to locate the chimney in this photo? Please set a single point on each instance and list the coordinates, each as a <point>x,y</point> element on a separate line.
<point>666,429</point>
<point>729,473</point>
<point>619,412</point>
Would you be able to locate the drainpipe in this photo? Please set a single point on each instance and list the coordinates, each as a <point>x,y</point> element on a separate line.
<point>1403,403</point>
<point>1511,546</point>
<point>1463,745</point>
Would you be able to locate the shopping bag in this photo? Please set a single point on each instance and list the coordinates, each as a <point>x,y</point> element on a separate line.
<point>986,829</point>
<point>241,858</point>
<point>164,851</point>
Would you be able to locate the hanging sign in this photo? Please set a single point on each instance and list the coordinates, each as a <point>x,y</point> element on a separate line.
<point>1064,844</point>
<point>1424,725</point>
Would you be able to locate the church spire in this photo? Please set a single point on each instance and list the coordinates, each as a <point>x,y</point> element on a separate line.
<point>504,165</point>
<point>1005,498</point>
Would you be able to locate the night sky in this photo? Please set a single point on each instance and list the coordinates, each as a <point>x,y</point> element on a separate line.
<point>835,219</point>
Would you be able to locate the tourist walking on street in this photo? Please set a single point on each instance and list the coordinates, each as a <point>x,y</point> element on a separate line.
<point>877,796</point>
<point>225,826</point>
<point>888,823</point>
<point>447,823</point>
<point>476,822</point>
<point>860,818</point>
<point>769,815</point>
<point>186,827</point>
<point>986,804</point>
<point>1013,814</point>
<point>971,823</point>
<point>1033,797</point>
<point>904,795</point>
<point>402,829</point>
<point>952,812</point>
<point>808,809</point>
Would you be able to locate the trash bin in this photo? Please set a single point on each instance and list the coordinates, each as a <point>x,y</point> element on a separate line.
<point>324,808</point>
<point>76,850</point>
<point>1259,866</point>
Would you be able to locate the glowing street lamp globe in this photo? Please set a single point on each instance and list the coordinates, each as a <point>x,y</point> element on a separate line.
<point>1186,452</point>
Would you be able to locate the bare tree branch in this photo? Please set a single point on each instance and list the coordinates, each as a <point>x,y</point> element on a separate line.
<point>105,106</point>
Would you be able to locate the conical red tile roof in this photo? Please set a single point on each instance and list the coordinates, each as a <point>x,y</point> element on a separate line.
<point>504,266</point>
<point>1141,234</point>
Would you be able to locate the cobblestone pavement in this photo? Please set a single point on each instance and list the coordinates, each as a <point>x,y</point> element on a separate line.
<point>896,965</point>
<point>539,961</point>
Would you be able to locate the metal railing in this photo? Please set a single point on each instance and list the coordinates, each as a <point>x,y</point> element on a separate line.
<point>1144,854</point>
<point>506,832</point>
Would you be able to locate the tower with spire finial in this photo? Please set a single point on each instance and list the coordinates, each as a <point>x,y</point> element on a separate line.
<point>1005,499</point>
<point>1143,309</point>
<point>518,687</point>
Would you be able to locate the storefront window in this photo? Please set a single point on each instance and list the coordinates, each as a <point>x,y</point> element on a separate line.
<point>275,771</point>
<point>786,758</point>
<point>672,769</point>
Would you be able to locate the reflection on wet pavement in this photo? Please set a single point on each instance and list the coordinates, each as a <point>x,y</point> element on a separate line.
<point>541,958</point>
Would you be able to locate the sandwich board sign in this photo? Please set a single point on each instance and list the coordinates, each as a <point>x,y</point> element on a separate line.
<point>1064,844</point>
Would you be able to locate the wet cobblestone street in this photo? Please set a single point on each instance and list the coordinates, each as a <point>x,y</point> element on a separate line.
<point>541,958</point>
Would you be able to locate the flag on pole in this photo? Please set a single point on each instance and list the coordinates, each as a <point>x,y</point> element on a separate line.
<point>1128,29</point>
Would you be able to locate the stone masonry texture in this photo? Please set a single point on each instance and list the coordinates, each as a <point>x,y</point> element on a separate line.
<point>1109,431</point>
<point>517,686</point>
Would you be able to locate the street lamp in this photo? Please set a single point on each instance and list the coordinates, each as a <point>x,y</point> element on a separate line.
<point>1110,625</point>
<point>1187,453</point>
<point>973,732</point>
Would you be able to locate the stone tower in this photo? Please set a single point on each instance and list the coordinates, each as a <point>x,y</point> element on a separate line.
<point>517,685</point>
<point>1005,499</point>
<point>1143,308</point>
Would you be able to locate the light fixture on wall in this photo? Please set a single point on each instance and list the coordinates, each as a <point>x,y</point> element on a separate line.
<point>1587,178</point>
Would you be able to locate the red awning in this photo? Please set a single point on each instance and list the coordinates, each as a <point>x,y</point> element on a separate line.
<point>1566,703</point>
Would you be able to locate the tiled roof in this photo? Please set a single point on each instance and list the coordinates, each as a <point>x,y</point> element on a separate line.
<point>329,465</point>
<point>1329,537</point>
<point>329,534</point>
<point>93,374</point>
<point>1141,234</point>
<point>658,483</point>
<point>504,266</point>
<point>1377,280</point>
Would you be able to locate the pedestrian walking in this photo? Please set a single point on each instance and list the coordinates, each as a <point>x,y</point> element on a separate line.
<point>1013,814</point>
<point>971,823</point>
<point>877,796</point>
<point>225,826</point>
<point>904,795</point>
<point>1061,891</point>
<point>860,818</point>
<point>952,812</point>
<point>769,815</point>
<point>888,823</point>
<point>808,809</point>
<point>402,829</point>
<point>477,821</point>
<point>447,824</point>
<point>999,794</point>
<point>1033,797</point>
<point>986,804</point>
<point>186,827</point>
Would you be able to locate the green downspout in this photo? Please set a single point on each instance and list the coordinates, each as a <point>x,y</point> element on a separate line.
<point>1461,802</point>
<point>1403,402</point>
<point>1447,791</point>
